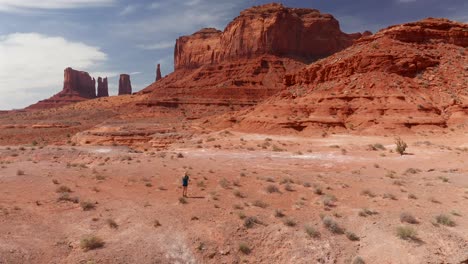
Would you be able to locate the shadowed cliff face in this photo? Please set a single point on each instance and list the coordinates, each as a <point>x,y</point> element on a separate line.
<point>303,34</point>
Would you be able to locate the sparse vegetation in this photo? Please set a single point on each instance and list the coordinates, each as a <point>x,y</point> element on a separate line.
<point>445,220</point>
<point>358,260</point>
<point>182,200</point>
<point>400,146</point>
<point>272,189</point>
<point>87,206</point>
<point>239,194</point>
<point>408,218</point>
<point>112,223</point>
<point>311,231</point>
<point>63,189</point>
<point>332,225</point>
<point>279,213</point>
<point>19,172</point>
<point>91,242</point>
<point>250,221</point>
<point>260,204</point>
<point>244,248</point>
<point>368,193</point>
<point>351,236</point>
<point>289,222</point>
<point>407,233</point>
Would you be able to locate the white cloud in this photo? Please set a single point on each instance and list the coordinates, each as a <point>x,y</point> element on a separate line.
<point>31,66</point>
<point>158,46</point>
<point>129,10</point>
<point>19,5</point>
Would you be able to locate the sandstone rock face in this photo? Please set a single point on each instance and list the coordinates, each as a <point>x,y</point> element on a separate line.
<point>125,86</point>
<point>103,90</point>
<point>303,34</point>
<point>158,73</point>
<point>411,76</point>
<point>77,86</point>
<point>80,82</point>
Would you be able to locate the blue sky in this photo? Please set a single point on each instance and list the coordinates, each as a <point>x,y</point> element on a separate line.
<point>38,39</point>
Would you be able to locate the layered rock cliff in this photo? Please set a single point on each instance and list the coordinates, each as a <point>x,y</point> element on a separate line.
<point>408,76</point>
<point>77,86</point>
<point>301,34</point>
<point>246,63</point>
<point>125,86</point>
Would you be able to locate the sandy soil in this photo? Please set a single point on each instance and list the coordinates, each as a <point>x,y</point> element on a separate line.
<point>232,174</point>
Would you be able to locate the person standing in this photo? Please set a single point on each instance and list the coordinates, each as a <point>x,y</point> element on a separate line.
<point>185,181</point>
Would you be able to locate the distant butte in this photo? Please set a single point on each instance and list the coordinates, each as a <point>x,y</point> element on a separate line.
<point>125,86</point>
<point>77,86</point>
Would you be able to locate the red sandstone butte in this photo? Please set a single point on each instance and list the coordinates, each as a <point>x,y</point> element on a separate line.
<point>158,73</point>
<point>103,90</point>
<point>298,33</point>
<point>125,86</point>
<point>77,86</point>
<point>246,63</point>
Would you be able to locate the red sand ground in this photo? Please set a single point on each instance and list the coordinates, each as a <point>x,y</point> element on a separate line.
<point>229,176</point>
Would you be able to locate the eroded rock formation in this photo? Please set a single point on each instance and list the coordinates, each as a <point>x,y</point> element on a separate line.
<point>125,86</point>
<point>77,86</point>
<point>158,73</point>
<point>302,34</point>
<point>410,76</point>
<point>246,63</point>
<point>102,89</point>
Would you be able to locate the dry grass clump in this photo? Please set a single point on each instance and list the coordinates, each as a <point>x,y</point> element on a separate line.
<point>332,225</point>
<point>279,213</point>
<point>244,248</point>
<point>445,220</point>
<point>87,206</point>
<point>400,146</point>
<point>250,221</point>
<point>366,212</point>
<point>329,200</point>
<point>63,189</point>
<point>112,223</point>
<point>358,260</point>
<point>239,194</point>
<point>288,187</point>
<point>182,200</point>
<point>20,172</point>
<point>408,218</point>
<point>407,233</point>
<point>351,236</point>
<point>311,231</point>
<point>224,183</point>
<point>91,242</point>
<point>67,198</point>
<point>260,204</point>
<point>289,222</point>
<point>368,193</point>
<point>272,189</point>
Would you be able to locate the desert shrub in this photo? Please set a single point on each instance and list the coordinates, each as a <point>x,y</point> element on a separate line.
<point>408,218</point>
<point>368,192</point>
<point>20,172</point>
<point>307,184</point>
<point>250,221</point>
<point>366,212</point>
<point>87,206</point>
<point>445,220</point>
<point>329,200</point>
<point>312,232</point>
<point>91,242</point>
<point>55,181</point>
<point>260,204</point>
<point>224,183</point>
<point>244,248</point>
<point>112,223</point>
<point>279,213</point>
<point>289,222</point>
<point>400,146</point>
<point>351,236</point>
<point>389,196</point>
<point>239,194</point>
<point>412,196</point>
<point>288,187</point>
<point>358,260</point>
<point>182,200</point>
<point>63,189</point>
<point>318,190</point>
<point>332,225</point>
<point>406,233</point>
<point>272,189</point>
<point>67,198</point>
